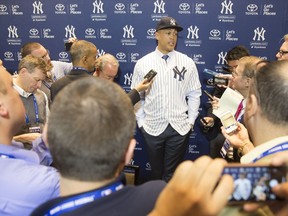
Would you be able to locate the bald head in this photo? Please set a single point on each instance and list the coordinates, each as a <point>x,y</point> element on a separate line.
<point>83,54</point>
<point>107,67</point>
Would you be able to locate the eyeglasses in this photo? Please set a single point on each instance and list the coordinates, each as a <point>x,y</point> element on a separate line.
<point>282,52</point>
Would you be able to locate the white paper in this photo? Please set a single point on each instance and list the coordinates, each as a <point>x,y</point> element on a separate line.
<point>229,101</point>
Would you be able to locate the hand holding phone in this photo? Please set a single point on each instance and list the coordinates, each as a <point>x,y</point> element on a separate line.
<point>254,183</point>
<point>229,122</point>
<point>150,75</point>
<point>209,95</point>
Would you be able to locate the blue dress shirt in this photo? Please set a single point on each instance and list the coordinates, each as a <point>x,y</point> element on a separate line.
<point>24,183</point>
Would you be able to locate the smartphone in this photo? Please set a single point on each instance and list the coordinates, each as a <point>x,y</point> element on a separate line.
<point>150,75</point>
<point>254,183</point>
<point>208,94</point>
<point>220,81</point>
<point>229,122</point>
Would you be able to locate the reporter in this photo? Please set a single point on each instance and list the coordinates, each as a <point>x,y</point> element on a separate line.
<point>266,119</point>
<point>107,68</point>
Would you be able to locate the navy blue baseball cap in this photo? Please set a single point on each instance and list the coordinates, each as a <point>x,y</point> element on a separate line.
<point>168,22</point>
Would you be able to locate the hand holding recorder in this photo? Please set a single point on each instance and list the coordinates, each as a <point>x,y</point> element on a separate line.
<point>148,80</point>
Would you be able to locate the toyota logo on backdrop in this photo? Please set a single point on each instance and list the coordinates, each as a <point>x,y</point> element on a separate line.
<point>119,6</point>
<point>184,6</point>
<point>215,32</point>
<point>63,55</point>
<point>60,7</point>
<point>34,32</point>
<point>90,31</point>
<point>120,56</point>
<point>8,54</point>
<point>3,8</point>
<point>252,7</point>
<point>151,32</point>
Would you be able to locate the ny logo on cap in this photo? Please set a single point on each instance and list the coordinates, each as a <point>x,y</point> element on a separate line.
<point>172,22</point>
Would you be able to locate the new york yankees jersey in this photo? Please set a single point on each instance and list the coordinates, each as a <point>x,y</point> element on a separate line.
<point>174,96</point>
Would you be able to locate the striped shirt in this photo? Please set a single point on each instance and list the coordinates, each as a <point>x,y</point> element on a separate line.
<point>174,96</point>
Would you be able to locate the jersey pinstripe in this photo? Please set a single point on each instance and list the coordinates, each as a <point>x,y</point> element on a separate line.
<point>174,96</point>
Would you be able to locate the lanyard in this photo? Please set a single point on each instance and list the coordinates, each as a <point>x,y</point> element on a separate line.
<point>6,156</point>
<point>278,148</point>
<point>77,201</point>
<point>36,111</point>
<point>46,84</point>
<point>81,68</point>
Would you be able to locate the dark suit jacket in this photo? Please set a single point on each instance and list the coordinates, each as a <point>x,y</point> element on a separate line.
<point>134,96</point>
<point>73,75</point>
<point>76,74</point>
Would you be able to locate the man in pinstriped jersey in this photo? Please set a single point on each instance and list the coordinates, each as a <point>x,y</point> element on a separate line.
<point>167,111</point>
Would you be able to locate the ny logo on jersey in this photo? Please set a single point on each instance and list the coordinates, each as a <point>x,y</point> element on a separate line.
<point>178,73</point>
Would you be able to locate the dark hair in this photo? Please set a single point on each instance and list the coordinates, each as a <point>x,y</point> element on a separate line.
<point>271,89</point>
<point>236,53</point>
<point>91,124</point>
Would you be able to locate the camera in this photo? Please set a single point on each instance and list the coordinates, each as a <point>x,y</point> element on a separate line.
<point>220,80</point>
<point>254,183</point>
<point>68,46</point>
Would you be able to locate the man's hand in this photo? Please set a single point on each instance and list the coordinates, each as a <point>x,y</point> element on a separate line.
<point>279,208</point>
<point>145,84</point>
<point>207,121</point>
<point>27,137</point>
<point>195,189</point>
<point>237,138</point>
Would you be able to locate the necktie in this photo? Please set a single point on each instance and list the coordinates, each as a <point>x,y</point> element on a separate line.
<point>239,109</point>
<point>165,57</point>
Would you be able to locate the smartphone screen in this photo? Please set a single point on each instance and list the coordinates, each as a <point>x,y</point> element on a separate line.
<point>229,122</point>
<point>254,183</point>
